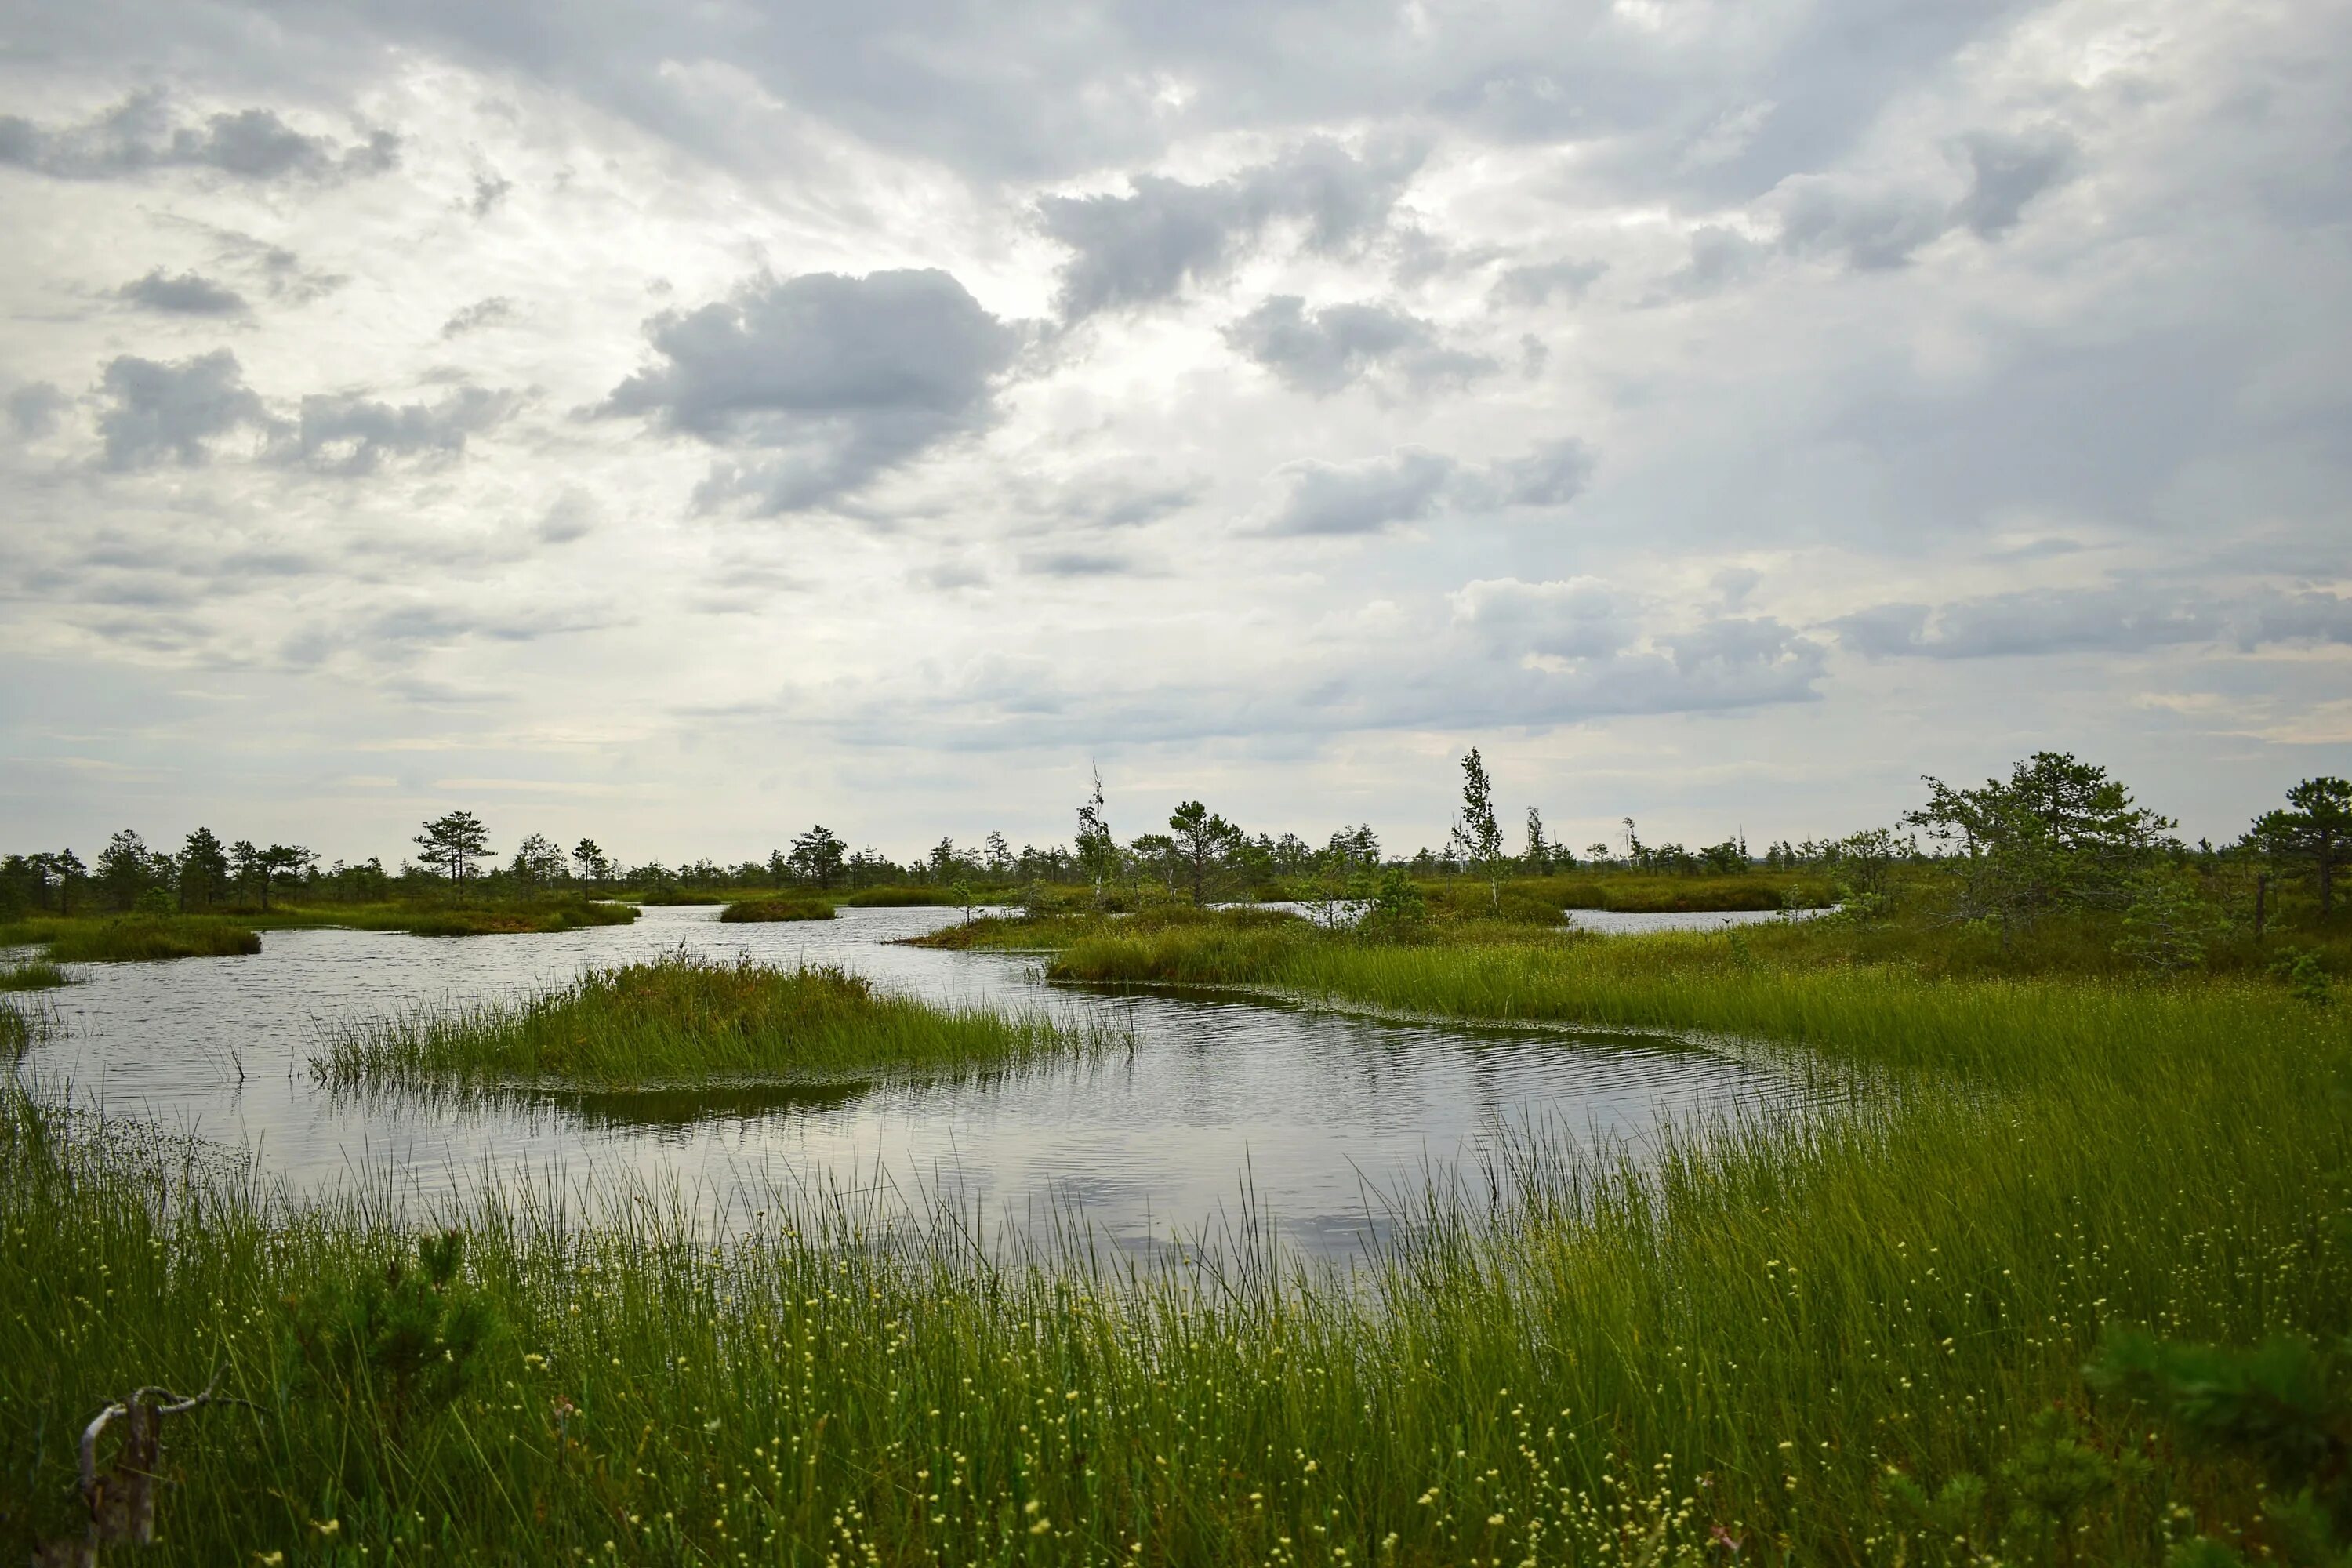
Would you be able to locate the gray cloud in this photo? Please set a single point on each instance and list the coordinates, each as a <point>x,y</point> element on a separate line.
<point>1577,618</point>
<point>1870,230</point>
<point>1146,246</point>
<point>138,134</point>
<point>186,294</point>
<point>489,190</point>
<point>1553,474</point>
<point>33,409</point>
<point>2008,172</point>
<point>2128,619</point>
<point>572,516</point>
<point>1532,287</point>
<point>1362,497</point>
<point>496,310</point>
<point>170,411</point>
<point>352,435</point>
<point>1075,562</point>
<point>1323,351</point>
<point>827,381</point>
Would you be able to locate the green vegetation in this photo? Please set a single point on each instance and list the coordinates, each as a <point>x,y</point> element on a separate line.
<point>684,1019</point>
<point>1858,1339</point>
<point>766,911</point>
<point>665,896</point>
<point>134,938</point>
<point>36,976</point>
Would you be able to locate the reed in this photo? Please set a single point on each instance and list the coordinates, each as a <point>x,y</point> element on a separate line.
<point>130,939</point>
<point>686,1018</point>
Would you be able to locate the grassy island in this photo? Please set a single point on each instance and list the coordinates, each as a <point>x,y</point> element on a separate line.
<point>681,1019</point>
<point>763,911</point>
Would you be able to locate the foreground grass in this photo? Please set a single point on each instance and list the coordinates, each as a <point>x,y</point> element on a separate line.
<point>758,911</point>
<point>683,1018</point>
<point>1758,1334</point>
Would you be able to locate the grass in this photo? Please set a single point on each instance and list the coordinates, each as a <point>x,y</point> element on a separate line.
<point>659,897</point>
<point>1760,1332</point>
<point>36,976</point>
<point>682,1019</point>
<point>766,909</point>
<point>117,939</point>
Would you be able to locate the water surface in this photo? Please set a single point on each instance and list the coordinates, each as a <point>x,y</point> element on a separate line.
<point>1318,1118</point>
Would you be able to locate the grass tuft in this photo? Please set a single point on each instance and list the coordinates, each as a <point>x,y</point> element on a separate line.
<point>36,976</point>
<point>687,1018</point>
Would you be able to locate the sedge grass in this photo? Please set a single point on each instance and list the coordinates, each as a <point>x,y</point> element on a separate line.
<point>1597,1360</point>
<point>682,1019</point>
<point>764,910</point>
<point>130,939</point>
<point>36,975</point>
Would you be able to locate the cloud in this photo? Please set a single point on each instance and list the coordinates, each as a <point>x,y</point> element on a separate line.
<point>352,435</point>
<point>187,294</point>
<point>1553,474</point>
<point>1364,497</point>
<point>1323,351</point>
<point>496,310</point>
<point>2009,171</point>
<point>1578,618</point>
<point>138,134</point>
<point>824,381</point>
<point>2115,619</point>
<point>1869,230</point>
<point>1147,246</point>
<point>1075,562</point>
<point>573,516</point>
<point>170,411</point>
<point>489,190</point>
<point>33,409</point>
<point>1373,494</point>
<point>1533,286</point>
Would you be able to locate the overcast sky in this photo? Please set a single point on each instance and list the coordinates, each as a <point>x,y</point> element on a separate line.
<point>680,423</point>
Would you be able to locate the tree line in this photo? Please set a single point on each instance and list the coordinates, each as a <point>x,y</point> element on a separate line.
<point>2058,833</point>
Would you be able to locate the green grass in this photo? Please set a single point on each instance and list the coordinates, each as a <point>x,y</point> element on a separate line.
<point>36,975</point>
<point>1602,1363</point>
<point>682,1019</point>
<point>135,937</point>
<point>762,911</point>
<point>659,897</point>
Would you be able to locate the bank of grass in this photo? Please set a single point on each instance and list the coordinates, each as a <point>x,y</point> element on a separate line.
<point>35,975</point>
<point>766,911</point>
<point>902,897</point>
<point>685,1018</point>
<point>662,897</point>
<point>1758,1334</point>
<point>111,939</point>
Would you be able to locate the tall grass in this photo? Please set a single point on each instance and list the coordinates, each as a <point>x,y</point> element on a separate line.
<point>138,937</point>
<point>685,1018</point>
<point>763,911</point>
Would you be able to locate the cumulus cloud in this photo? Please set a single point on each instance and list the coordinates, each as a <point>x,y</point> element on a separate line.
<point>139,134</point>
<point>496,310</point>
<point>1149,244</point>
<point>1363,496</point>
<point>1323,351</point>
<point>1372,494</point>
<point>171,411</point>
<point>184,294</point>
<point>33,409</point>
<point>352,435</point>
<point>822,381</point>
<point>1871,230</point>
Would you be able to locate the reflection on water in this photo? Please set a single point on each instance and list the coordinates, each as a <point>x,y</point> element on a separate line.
<point>1323,1116</point>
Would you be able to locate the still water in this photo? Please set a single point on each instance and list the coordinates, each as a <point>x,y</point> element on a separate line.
<point>1320,1121</point>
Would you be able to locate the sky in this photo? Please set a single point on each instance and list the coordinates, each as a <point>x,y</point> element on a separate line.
<point>680,423</point>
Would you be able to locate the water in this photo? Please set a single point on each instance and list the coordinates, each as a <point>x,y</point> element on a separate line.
<point>1319,1119</point>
